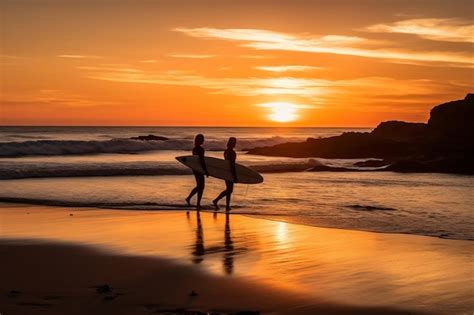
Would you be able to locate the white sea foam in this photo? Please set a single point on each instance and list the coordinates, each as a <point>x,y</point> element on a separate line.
<point>78,147</point>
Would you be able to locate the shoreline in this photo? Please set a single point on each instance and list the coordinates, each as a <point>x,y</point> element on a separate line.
<point>267,266</point>
<point>20,202</point>
<point>54,280</point>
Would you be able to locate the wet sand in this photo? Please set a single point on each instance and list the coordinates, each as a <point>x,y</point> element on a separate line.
<point>53,258</point>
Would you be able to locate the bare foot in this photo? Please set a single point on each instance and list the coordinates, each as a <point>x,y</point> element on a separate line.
<point>188,202</point>
<point>228,209</point>
<point>216,206</point>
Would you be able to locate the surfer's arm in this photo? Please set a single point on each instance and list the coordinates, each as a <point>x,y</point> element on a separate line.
<point>232,167</point>
<point>203,163</point>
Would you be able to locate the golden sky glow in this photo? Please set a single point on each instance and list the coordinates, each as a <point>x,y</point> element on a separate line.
<point>237,63</point>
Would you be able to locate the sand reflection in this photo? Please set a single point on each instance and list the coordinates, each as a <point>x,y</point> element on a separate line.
<point>344,266</point>
<point>199,251</point>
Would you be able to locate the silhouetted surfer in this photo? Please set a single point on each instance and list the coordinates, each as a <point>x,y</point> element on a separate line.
<point>231,156</point>
<point>200,180</point>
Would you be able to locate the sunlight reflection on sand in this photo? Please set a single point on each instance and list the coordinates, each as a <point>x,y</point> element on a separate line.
<point>337,265</point>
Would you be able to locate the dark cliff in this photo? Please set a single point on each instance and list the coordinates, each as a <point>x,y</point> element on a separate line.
<point>445,143</point>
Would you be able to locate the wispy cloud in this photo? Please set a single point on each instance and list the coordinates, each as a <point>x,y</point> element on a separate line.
<point>11,57</point>
<point>289,68</point>
<point>79,56</point>
<point>308,88</point>
<point>254,57</point>
<point>192,56</point>
<point>149,61</point>
<point>265,36</point>
<point>450,30</point>
<point>120,68</point>
<point>10,60</point>
<point>285,104</point>
<point>330,44</point>
<point>57,98</point>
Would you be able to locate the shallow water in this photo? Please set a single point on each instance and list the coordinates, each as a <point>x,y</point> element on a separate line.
<point>424,204</point>
<point>345,267</point>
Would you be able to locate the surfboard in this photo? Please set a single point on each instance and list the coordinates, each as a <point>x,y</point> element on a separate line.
<point>220,168</point>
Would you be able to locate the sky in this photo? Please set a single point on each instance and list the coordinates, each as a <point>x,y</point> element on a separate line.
<point>232,63</point>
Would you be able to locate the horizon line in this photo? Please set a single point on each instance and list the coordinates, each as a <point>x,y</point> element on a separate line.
<point>185,126</point>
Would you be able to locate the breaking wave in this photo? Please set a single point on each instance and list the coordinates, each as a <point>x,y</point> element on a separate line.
<point>141,168</point>
<point>78,147</point>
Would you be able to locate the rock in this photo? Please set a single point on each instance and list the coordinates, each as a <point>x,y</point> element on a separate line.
<point>325,168</point>
<point>369,208</point>
<point>372,163</point>
<point>454,119</point>
<point>453,165</point>
<point>349,145</point>
<point>105,288</point>
<point>445,144</point>
<point>13,293</point>
<point>400,130</point>
<point>150,138</point>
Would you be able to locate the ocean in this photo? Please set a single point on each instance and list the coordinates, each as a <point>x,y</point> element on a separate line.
<point>102,167</point>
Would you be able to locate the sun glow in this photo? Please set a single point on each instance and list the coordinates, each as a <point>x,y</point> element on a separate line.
<point>283,112</point>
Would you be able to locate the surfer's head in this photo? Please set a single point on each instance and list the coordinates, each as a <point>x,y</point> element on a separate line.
<point>231,143</point>
<point>199,139</point>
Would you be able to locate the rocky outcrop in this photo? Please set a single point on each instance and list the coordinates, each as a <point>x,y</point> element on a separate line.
<point>400,130</point>
<point>444,144</point>
<point>351,145</point>
<point>150,138</point>
<point>372,163</point>
<point>453,119</point>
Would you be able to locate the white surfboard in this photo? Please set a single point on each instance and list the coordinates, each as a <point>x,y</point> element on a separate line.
<point>220,168</point>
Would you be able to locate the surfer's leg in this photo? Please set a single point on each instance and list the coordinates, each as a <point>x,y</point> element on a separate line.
<point>191,194</point>
<point>228,193</point>
<point>221,195</point>
<point>200,190</point>
<point>195,189</point>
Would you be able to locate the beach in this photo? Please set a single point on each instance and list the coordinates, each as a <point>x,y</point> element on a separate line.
<point>56,258</point>
<point>237,157</point>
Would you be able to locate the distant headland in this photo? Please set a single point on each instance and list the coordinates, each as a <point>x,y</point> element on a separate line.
<point>445,144</point>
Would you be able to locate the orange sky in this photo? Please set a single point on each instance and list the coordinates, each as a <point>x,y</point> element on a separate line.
<point>237,63</point>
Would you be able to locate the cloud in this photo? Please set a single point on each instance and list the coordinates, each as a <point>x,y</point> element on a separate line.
<point>285,104</point>
<point>110,68</point>
<point>10,60</point>
<point>449,30</point>
<point>290,68</point>
<point>192,56</point>
<point>254,57</point>
<point>329,44</point>
<point>11,57</point>
<point>56,98</point>
<point>314,89</point>
<point>79,56</point>
<point>149,61</point>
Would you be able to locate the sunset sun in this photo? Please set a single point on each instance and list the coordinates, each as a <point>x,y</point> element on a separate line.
<point>283,112</point>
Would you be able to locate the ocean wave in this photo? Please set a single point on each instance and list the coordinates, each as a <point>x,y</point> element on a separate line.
<point>21,170</point>
<point>147,206</point>
<point>78,147</point>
